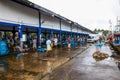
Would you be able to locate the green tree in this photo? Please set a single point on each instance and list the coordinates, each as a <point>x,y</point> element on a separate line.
<point>95,30</point>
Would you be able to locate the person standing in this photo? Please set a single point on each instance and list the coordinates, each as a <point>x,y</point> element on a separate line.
<point>85,41</point>
<point>100,39</point>
<point>81,42</point>
<point>48,43</point>
<point>52,42</point>
<point>0,35</point>
<point>8,42</point>
<point>55,41</point>
<point>34,44</point>
<point>68,42</point>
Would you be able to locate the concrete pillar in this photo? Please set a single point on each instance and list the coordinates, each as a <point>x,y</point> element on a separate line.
<point>39,30</point>
<point>74,36</point>
<point>77,35</point>
<point>4,35</point>
<point>60,35</point>
<point>71,34</point>
<point>38,37</point>
<point>66,34</point>
<point>51,34</point>
<point>28,36</point>
<point>45,35</point>
<point>13,32</point>
<point>1,36</point>
<point>20,36</point>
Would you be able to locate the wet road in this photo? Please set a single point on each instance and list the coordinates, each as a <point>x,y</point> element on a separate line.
<point>85,67</point>
<point>30,66</point>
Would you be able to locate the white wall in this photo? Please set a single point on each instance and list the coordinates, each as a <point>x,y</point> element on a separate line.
<point>74,29</point>
<point>65,26</point>
<point>79,31</point>
<point>50,22</point>
<point>15,13</point>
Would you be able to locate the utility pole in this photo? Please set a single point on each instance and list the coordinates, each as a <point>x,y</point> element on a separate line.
<point>110,23</point>
<point>119,2</point>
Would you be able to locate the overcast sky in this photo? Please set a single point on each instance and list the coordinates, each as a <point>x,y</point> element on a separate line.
<point>89,13</point>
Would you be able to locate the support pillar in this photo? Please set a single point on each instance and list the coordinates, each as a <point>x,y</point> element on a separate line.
<point>71,30</point>
<point>51,34</point>
<point>20,36</point>
<point>13,32</point>
<point>28,36</point>
<point>60,35</point>
<point>66,35</point>
<point>74,36</point>
<point>4,35</point>
<point>38,37</point>
<point>77,35</point>
<point>71,34</point>
<point>45,35</point>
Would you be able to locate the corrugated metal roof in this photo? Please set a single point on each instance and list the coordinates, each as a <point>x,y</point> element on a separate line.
<point>42,9</point>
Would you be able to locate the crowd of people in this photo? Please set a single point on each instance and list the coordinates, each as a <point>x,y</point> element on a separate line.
<point>14,43</point>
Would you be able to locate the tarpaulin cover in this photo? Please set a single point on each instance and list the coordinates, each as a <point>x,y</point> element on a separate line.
<point>3,48</point>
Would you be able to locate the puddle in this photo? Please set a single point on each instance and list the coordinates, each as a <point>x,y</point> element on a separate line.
<point>30,65</point>
<point>119,65</point>
<point>116,59</point>
<point>3,66</point>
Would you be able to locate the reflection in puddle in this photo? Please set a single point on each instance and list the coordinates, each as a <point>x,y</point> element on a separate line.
<point>3,66</point>
<point>118,63</point>
<point>98,56</point>
<point>49,68</point>
<point>30,65</point>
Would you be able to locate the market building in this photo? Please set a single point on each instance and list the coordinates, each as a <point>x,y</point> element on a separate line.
<point>25,17</point>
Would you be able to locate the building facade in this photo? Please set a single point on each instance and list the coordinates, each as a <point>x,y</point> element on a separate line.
<point>24,16</point>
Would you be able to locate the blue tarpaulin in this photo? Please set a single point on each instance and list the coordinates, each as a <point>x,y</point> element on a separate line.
<point>3,48</point>
<point>99,45</point>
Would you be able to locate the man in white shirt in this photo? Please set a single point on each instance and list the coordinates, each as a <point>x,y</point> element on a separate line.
<point>55,41</point>
<point>34,44</point>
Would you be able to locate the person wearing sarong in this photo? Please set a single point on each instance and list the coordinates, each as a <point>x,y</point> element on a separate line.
<point>81,42</point>
<point>49,48</point>
<point>34,44</point>
<point>68,42</point>
<point>52,42</point>
<point>48,43</point>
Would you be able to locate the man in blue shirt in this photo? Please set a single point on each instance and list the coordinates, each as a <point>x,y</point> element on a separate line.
<point>48,43</point>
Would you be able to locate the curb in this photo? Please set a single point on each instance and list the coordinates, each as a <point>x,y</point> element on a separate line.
<point>39,77</point>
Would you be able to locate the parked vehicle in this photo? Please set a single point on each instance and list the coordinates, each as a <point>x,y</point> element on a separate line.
<point>93,38</point>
